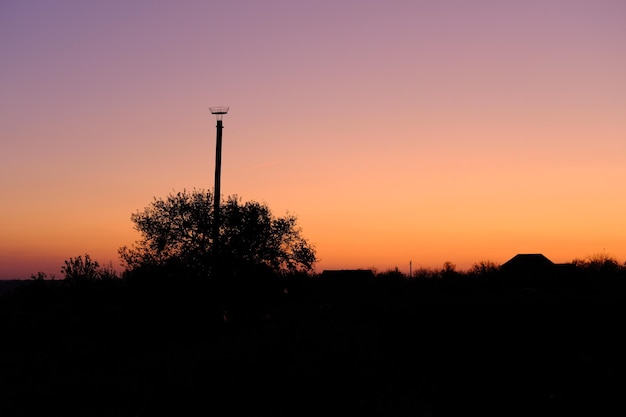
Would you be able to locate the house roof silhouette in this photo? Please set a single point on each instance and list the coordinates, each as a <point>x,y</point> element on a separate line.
<point>528,262</point>
<point>356,275</point>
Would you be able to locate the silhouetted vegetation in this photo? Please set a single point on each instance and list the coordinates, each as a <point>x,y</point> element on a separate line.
<point>176,237</point>
<point>84,269</point>
<point>268,339</point>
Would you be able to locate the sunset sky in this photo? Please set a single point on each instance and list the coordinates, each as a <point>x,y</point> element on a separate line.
<point>397,131</point>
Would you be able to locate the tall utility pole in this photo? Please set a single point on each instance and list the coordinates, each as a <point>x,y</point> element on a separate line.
<point>218,112</point>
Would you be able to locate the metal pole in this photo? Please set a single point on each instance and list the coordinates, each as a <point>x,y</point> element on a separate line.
<point>218,112</point>
<point>216,188</point>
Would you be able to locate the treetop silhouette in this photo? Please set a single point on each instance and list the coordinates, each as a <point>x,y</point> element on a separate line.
<point>177,230</point>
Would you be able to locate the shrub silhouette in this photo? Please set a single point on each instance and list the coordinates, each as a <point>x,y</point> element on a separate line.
<point>599,263</point>
<point>79,269</point>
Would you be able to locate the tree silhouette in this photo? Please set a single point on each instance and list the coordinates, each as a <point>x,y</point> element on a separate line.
<point>85,269</point>
<point>482,268</point>
<point>598,262</point>
<point>177,230</point>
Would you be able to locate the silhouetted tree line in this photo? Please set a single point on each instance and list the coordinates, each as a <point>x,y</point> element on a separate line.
<point>257,332</point>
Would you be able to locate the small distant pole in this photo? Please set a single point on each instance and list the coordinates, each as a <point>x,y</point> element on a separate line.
<point>218,112</point>
<point>410,269</point>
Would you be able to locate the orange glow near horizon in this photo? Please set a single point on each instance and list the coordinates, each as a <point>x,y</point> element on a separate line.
<point>397,132</point>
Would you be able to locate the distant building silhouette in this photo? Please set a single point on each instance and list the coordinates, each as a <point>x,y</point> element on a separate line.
<point>536,271</point>
<point>348,272</point>
<point>528,263</point>
<point>349,276</point>
<point>347,283</point>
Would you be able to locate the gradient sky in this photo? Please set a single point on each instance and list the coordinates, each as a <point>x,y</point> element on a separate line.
<point>397,131</point>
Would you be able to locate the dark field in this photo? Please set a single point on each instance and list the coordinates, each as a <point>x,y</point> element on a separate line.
<point>308,346</point>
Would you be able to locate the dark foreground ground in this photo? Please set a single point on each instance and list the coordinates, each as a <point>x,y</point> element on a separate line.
<point>388,348</point>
